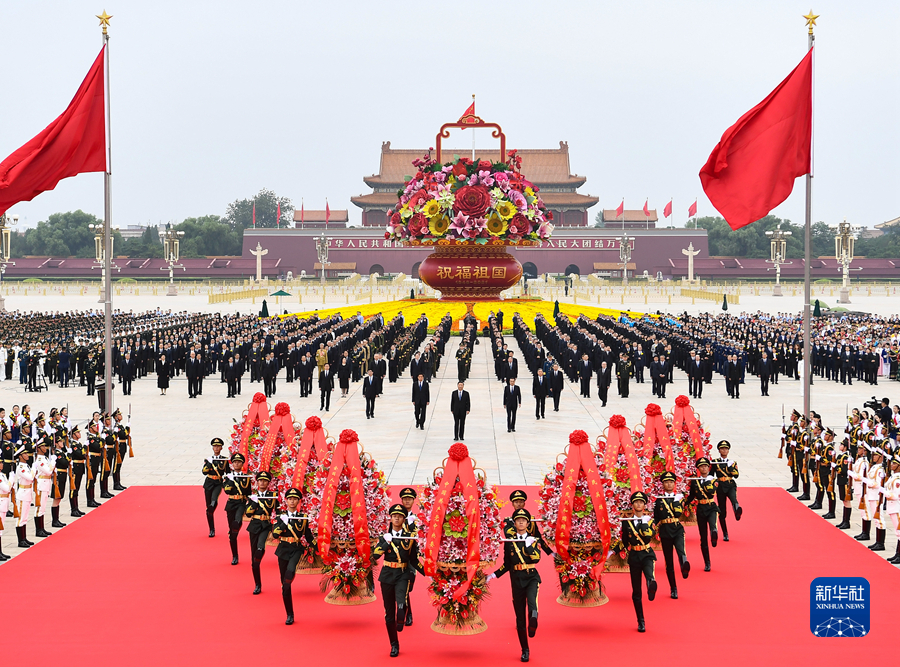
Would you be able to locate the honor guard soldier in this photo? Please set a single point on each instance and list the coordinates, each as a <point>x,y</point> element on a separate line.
<point>109,456</point>
<point>408,500</point>
<point>726,471</point>
<point>815,458</point>
<point>874,481</point>
<point>637,533</point>
<point>25,475</point>
<point>401,557</point>
<point>842,481</point>
<point>44,469</point>
<point>858,473</point>
<point>826,472</point>
<point>703,490</point>
<point>517,499</point>
<point>294,542</point>
<point>802,453</point>
<point>95,449</point>
<point>6,488</point>
<point>123,445</point>
<point>61,474</point>
<point>667,513</point>
<point>791,441</point>
<point>237,487</point>
<point>214,470</point>
<point>521,554</point>
<point>79,456</point>
<point>892,503</point>
<point>261,507</point>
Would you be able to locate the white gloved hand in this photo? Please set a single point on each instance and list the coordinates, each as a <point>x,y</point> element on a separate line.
<point>679,496</point>
<point>806,449</point>
<point>491,577</point>
<point>254,497</point>
<point>388,537</point>
<point>818,457</point>
<point>834,465</point>
<point>529,541</point>
<point>285,518</point>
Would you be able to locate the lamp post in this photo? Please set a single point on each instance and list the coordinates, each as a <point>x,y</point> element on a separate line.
<point>100,255</point>
<point>6,221</point>
<point>172,252</point>
<point>625,256</point>
<point>844,240</point>
<point>778,251</point>
<point>322,251</point>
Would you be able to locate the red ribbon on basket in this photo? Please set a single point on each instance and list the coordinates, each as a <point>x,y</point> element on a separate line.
<point>683,417</point>
<point>257,414</point>
<point>458,465</point>
<point>281,422</point>
<point>655,430</point>
<point>308,444</point>
<point>581,457</point>
<point>346,454</point>
<point>620,437</point>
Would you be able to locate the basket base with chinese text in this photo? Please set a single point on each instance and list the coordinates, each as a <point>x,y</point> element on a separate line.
<point>467,271</point>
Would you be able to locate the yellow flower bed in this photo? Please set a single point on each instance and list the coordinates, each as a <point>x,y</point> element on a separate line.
<point>434,310</point>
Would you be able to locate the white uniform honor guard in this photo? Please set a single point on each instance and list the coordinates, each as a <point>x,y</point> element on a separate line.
<point>24,492</point>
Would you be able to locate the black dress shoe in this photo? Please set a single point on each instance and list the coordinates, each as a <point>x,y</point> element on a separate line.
<point>791,489</point>
<point>257,590</point>
<point>674,594</point>
<point>119,487</point>
<point>641,626</point>
<point>234,561</point>
<point>289,620</point>
<point>409,617</point>
<point>714,538</point>
<point>706,567</point>
<point>212,533</point>
<point>525,655</point>
<point>725,537</point>
<point>685,569</point>
<point>805,496</point>
<point>106,494</point>
<point>651,589</point>
<point>738,512</point>
<point>395,649</point>
<point>57,524</point>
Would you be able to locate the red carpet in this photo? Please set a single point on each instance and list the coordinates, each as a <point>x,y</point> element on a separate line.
<point>138,582</point>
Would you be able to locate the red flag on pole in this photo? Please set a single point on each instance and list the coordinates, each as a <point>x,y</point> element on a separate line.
<point>667,209</point>
<point>327,213</point>
<point>254,215</point>
<point>278,216</point>
<point>646,209</point>
<point>621,209</point>
<point>74,143</point>
<point>692,209</point>
<point>752,168</point>
<point>468,112</point>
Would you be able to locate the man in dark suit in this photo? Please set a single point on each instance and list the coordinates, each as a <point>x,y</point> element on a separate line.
<point>381,368</point>
<point>126,373</point>
<point>231,377</point>
<point>269,370</point>
<point>415,367</point>
<point>370,391</point>
<point>511,368</point>
<point>326,386</point>
<point>585,372</point>
<point>304,374</point>
<point>695,370</point>
<point>512,399</point>
<point>734,374</point>
<point>192,371</point>
<point>764,368</point>
<point>556,386</point>
<point>661,374</point>
<point>421,397</point>
<point>460,406</point>
<point>604,379</point>
<point>539,389</point>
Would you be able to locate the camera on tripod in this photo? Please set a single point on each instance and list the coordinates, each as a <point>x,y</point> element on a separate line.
<point>874,404</point>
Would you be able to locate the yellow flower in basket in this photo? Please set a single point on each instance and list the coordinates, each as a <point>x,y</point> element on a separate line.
<point>496,226</point>
<point>431,208</point>
<point>506,210</point>
<point>439,225</point>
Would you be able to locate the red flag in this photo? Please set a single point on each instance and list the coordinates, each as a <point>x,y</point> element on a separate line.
<point>468,112</point>
<point>752,168</point>
<point>692,209</point>
<point>74,143</point>
<point>667,210</point>
<point>278,216</point>
<point>327,213</point>
<point>254,215</point>
<point>646,209</point>
<point>621,209</point>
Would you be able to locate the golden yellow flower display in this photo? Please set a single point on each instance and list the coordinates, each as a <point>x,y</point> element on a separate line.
<point>496,226</point>
<point>431,209</point>
<point>439,225</point>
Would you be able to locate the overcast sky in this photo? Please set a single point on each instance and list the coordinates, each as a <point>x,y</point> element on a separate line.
<point>212,101</point>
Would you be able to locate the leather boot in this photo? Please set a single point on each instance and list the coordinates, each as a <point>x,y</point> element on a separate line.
<point>864,535</point>
<point>831,505</point>
<point>880,534</point>
<point>523,642</point>
<point>257,579</point>
<point>896,558</point>
<point>533,623</point>
<point>805,495</point>
<point>211,520</point>
<point>3,556</point>
<point>39,527</point>
<point>794,487</point>
<point>289,605</point>
<point>845,522</point>
<point>20,533</point>
<point>232,539</point>
<point>817,503</point>
<point>723,526</point>
<point>392,637</point>
<point>90,499</point>
<point>117,481</point>
<point>73,508</point>
<point>104,488</point>
<point>639,612</point>
<point>54,513</point>
<point>409,617</point>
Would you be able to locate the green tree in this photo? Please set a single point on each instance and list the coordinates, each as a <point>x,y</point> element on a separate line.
<point>147,245</point>
<point>598,219</point>
<point>239,214</point>
<point>209,235</point>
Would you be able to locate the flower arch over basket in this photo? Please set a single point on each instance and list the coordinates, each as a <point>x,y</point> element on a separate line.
<point>304,475</point>
<point>459,535</point>
<point>690,441</point>
<point>248,435</point>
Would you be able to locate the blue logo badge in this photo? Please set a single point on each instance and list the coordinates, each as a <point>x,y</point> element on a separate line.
<point>839,607</point>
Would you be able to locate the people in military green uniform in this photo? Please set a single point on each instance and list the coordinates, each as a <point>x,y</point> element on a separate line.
<point>518,498</point>
<point>801,452</point>
<point>408,500</point>
<point>237,487</point>
<point>79,456</point>
<point>214,470</point>
<point>400,550</point>
<point>260,508</point>
<point>703,490</point>
<point>726,471</point>
<point>667,512</point>
<point>637,533</point>
<point>294,542</point>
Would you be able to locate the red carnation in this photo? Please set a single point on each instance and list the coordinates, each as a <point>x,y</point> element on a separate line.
<point>314,423</point>
<point>259,397</point>
<point>472,200</point>
<point>417,198</point>
<point>457,452</point>
<point>682,401</point>
<point>348,435</point>
<point>578,437</point>
<point>652,410</point>
<point>484,165</point>
<point>396,220</point>
<point>282,409</point>
<point>459,170</point>
<point>617,421</point>
<point>579,504</point>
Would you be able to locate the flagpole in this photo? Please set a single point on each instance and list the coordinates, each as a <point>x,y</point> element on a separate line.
<point>107,227</point>
<point>807,253</point>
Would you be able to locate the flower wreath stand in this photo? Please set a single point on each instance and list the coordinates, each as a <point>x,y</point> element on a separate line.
<point>691,442</point>
<point>247,436</point>
<point>312,455</point>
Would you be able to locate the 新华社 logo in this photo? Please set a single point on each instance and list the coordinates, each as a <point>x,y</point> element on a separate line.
<point>839,607</point>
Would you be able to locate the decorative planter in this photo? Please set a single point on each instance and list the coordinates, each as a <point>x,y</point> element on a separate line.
<point>351,594</point>
<point>594,598</point>
<point>468,271</point>
<point>444,624</point>
<point>305,567</point>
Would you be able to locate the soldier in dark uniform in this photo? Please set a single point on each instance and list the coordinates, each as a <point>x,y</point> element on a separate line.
<point>517,498</point>
<point>401,557</point>
<point>260,508</point>
<point>237,487</point>
<point>79,456</point>
<point>791,436</point>
<point>214,469</point>
<point>667,513</point>
<point>110,447</point>
<point>408,500</point>
<point>842,461</point>
<point>801,454</point>
<point>703,490</point>
<point>294,541</point>
<point>90,372</point>
<point>826,471</point>
<point>637,533</point>
<point>61,476</point>
<point>726,471</point>
<point>521,554</point>
<point>122,434</point>
<point>95,450</point>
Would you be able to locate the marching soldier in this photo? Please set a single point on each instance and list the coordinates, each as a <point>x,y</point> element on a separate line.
<point>517,499</point>
<point>95,450</point>
<point>214,470</point>
<point>842,480</point>
<point>703,490</point>
<point>637,532</point>
<point>791,441</point>
<point>44,469</point>
<point>24,493</point>
<point>874,481</point>
<point>294,542</point>
<point>408,500</point>
<point>237,487</point>
<point>61,475</point>
<point>123,444</point>
<point>260,508</point>
<point>892,503</point>
<point>401,557</point>
<point>79,457</point>
<point>520,557</point>
<point>667,513</point>
<point>726,471</point>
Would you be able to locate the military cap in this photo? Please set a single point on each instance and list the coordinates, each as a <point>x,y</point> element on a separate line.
<point>408,492</point>
<point>23,448</point>
<point>75,429</point>
<point>518,494</point>
<point>398,509</point>
<point>667,476</point>
<point>796,413</point>
<point>117,412</point>
<point>217,441</point>
<point>521,514</point>
<point>829,431</point>
<point>723,444</point>
<point>293,493</point>
<point>702,461</point>
<point>638,495</point>
<point>264,474</point>
<point>237,456</point>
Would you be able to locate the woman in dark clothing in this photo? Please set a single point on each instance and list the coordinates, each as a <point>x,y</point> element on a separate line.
<point>344,371</point>
<point>163,373</point>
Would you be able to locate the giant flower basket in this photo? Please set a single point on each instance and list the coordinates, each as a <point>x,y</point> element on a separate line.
<point>459,536</point>
<point>313,458</point>
<point>469,211</point>
<point>247,437</point>
<point>572,507</point>
<point>354,509</point>
<point>690,441</point>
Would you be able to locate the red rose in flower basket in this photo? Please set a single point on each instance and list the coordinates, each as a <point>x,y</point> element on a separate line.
<point>459,534</point>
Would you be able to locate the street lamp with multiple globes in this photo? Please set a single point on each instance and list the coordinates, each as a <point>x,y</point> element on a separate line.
<point>844,240</point>
<point>778,250</point>
<point>625,255</point>
<point>171,252</point>
<point>6,221</point>
<point>100,255</point>
<point>322,244</point>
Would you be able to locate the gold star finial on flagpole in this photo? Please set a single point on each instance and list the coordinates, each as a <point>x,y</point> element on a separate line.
<point>104,20</point>
<point>811,20</point>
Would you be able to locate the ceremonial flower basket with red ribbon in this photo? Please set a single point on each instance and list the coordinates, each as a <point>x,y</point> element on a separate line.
<point>459,534</point>
<point>354,510</point>
<point>304,474</point>
<point>248,435</point>
<point>690,441</point>
<point>278,454</point>
<point>574,516</point>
